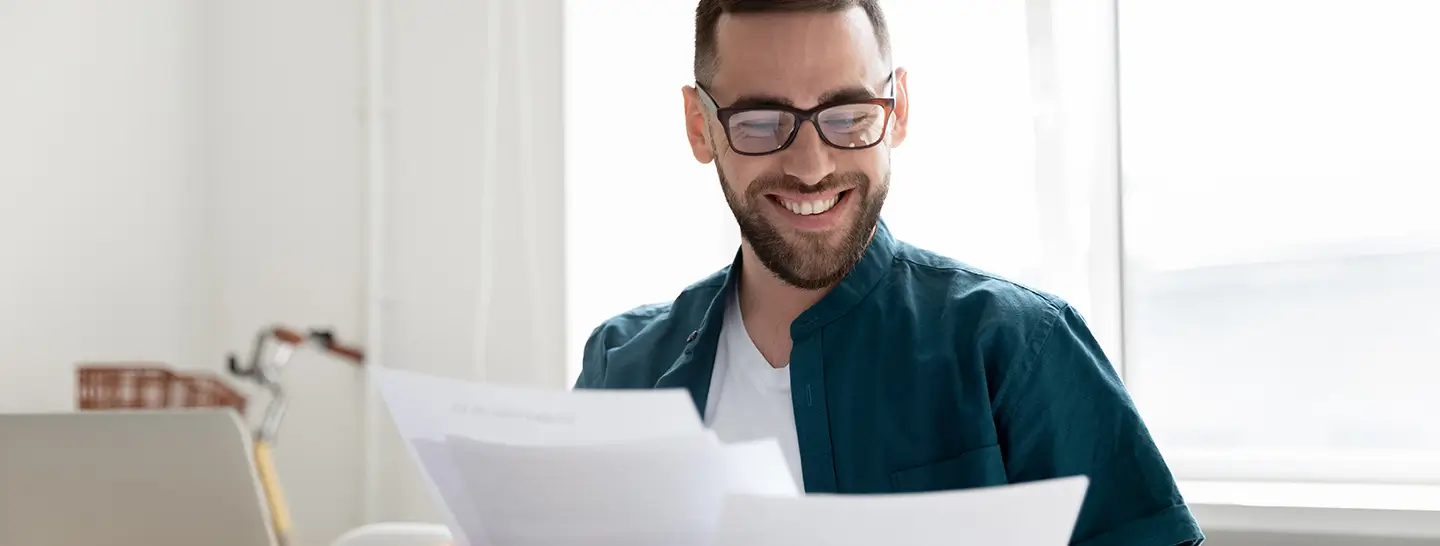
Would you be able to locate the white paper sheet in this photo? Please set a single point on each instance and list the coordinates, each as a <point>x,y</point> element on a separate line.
<point>1032,514</point>
<point>586,495</point>
<point>426,409</point>
<point>515,466</point>
<point>530,467</point>
<point>432,407</point>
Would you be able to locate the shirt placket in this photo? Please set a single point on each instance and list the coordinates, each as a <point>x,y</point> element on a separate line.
<point>812,419</point>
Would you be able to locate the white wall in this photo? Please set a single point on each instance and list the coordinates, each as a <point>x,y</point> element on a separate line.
<point>101,193</point>
<point>178,174</point>
<point>284,160</point>
<point>173,176</point>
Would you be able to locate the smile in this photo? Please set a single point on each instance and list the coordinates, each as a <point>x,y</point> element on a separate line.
<point>812,213</point>
<point>807,208</point>
<point>801,206</point>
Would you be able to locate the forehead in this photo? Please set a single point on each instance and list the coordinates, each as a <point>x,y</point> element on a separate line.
<point>799,56</point>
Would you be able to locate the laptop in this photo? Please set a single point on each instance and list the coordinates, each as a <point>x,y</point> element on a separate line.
<point>159,478</point>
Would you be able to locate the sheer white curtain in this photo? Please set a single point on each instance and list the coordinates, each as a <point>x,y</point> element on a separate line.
<point>466,212</point>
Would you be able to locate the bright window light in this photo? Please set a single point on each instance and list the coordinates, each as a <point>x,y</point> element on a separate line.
<point>964,180</point>
<point>1282,241</point>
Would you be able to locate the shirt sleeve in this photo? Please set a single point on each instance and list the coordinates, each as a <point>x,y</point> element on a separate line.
<point>592,369</point>
<point>1062,411</point>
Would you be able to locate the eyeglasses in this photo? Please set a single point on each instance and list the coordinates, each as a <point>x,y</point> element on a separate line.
<point>847,125</point>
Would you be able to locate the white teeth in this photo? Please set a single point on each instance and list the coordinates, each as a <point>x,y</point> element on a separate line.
<point>807,208</point>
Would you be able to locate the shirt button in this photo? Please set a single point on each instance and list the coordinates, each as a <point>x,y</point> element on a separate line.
<point>692,336</point>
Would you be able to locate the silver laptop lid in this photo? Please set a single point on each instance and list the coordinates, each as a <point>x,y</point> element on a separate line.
<point>136,477</point>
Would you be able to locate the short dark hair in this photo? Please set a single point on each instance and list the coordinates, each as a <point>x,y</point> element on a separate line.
<point>707,17</point>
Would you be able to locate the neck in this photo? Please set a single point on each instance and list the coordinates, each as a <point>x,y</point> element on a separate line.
<point>767,302</point>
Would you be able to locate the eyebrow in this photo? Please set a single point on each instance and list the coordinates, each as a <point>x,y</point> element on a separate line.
<point>843,94</point>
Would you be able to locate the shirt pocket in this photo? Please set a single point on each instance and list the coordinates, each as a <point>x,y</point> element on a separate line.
<point>978,467</point>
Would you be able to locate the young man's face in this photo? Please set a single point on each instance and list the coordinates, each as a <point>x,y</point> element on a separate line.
<point>808,210</point>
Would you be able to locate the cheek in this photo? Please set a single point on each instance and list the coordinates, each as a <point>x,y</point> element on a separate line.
<point>738,172</point>
<point>874,162</point>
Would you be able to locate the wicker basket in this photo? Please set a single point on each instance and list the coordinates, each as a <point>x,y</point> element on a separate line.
<point>151,386</point>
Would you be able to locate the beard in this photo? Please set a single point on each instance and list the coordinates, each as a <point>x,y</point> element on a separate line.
<point>809,261</point>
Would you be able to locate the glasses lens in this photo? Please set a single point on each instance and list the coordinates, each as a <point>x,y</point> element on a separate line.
<point>852,125</point>
<point>760,131</point>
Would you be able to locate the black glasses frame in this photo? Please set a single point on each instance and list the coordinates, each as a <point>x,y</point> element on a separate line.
<point>801,116</point>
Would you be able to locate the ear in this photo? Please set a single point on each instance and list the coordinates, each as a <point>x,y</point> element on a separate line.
<point>696,125</point>
<point>902,108</point>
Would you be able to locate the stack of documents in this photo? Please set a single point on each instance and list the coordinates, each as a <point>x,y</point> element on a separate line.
<point>515,466</point>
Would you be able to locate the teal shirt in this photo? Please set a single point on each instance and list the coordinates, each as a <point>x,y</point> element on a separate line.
<point>918,373</point>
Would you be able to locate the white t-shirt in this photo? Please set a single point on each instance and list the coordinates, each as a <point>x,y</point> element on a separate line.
<point>749,399</point>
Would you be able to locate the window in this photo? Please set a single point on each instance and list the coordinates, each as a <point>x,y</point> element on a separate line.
<point>1281,186</point>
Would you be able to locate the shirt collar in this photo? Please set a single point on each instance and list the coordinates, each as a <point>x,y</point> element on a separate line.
<point>693,368</point>
<point>868,273</point>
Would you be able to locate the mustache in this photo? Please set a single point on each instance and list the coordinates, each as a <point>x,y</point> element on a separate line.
<point>787,183</point>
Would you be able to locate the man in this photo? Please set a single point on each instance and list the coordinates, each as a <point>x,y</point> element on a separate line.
<point>880,367</point>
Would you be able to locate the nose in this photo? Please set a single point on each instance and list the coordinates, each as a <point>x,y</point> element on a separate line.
<point>808,158</point>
